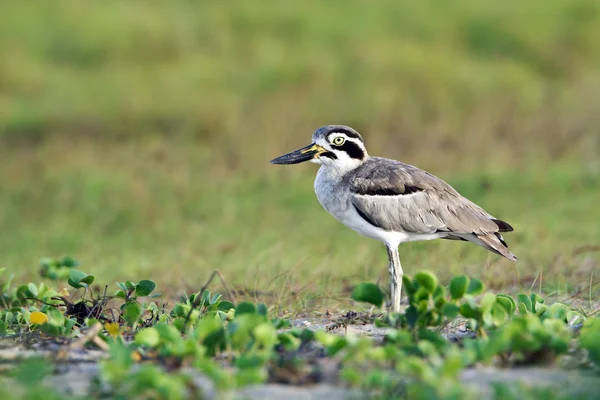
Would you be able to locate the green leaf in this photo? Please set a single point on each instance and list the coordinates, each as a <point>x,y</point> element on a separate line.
<point>522,308</point>
<point>79,279</point>
<point>590,338</point>
<point>540,309</point>
<point>33,289</point>
<point>88,280</point>
<point>282,323</point>
<point>144,287</point>
<point>475,287</point>
<point>412,315</point>
<point>266,335</point>
<point>245,361</point>
<point>69,262</point>
<point>76,277</point>
<point>129,285</point>
<point>178,323</point>
<point>215,340</point>
<point>458,286</point>
<point>439,294</point>
<point>499,314</point>
<point>148,337</point>
<point>368,293</point>
<point>290,342</point>
<point>507,302</point>
<point>120,294</point>
<point>225,306</point>
<point>469,312</point>
<point>261,308</point>
<point>338,344</point>
<point>74,284</point>
<point>558,311</point>
<point>526,301</point>
<point>307,335</point>
<point>408,286</point>
<point>536,298</point>
<point>132,312</point>
<point>168,332</point>
<point>427,280</point>
<point>205,298</point>
<point>422,294</point>
<point>489,299</point>
<point>450,310</point>
<point>181,310</point>
<point>439,301</point>
<point>573,317</point>
<point>249,376</point>
<point>245,307</point>
<point>23,292</point>
<point>215,299</point>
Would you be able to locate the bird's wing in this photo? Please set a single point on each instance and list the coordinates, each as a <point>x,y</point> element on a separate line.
<point>400,197</point>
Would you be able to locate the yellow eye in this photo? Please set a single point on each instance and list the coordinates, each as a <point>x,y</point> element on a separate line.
<point>338,140</point>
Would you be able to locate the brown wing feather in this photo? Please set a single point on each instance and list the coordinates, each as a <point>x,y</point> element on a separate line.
<point>400,197</point>
<point>430,205</point>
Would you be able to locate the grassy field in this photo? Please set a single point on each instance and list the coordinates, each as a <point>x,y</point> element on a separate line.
<point>136,137</point>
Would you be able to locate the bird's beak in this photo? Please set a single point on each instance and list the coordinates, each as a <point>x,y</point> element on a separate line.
<point>301,155</point>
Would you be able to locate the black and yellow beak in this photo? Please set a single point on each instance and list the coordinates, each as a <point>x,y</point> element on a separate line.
<point>301,155</point>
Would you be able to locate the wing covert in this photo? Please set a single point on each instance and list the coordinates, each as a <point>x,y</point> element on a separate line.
<point>399,197</point>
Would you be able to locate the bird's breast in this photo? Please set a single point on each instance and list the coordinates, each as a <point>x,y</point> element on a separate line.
<point>333,196</point>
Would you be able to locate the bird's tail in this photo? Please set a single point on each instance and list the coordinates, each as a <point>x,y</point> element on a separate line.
<point>495,243</point>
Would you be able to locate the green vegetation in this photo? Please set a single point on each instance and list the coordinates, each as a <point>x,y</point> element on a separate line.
<point>137,137</point>
<point>270,238</point>
<point>151,348</point>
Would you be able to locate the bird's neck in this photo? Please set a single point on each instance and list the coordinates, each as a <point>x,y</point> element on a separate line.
<point>341,168</point>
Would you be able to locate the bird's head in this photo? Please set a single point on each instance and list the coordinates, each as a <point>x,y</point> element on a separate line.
<point>337,146</point>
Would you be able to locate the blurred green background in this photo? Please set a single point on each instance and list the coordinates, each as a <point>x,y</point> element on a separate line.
<point>136,136</point>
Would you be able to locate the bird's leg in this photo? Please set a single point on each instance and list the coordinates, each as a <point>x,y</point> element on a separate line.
<point>396,277</point>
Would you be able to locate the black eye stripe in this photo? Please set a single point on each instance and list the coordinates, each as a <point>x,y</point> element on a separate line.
<point>352,149</point>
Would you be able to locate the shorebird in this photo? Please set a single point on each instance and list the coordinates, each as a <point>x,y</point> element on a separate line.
<point>391,201</point>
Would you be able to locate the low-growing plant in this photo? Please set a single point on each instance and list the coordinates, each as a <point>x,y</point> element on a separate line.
<point>590,339</point>
<point>152,348</point>
<point>57,269</point>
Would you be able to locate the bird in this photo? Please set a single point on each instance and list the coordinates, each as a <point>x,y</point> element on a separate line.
<point>391,201</point>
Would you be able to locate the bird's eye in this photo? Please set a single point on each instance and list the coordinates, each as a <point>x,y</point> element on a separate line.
<point>338,140</point>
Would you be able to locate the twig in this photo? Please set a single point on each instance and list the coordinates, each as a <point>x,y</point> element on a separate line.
<point>48,304</point>
<point>198,299</point>
<point>91,333</point>
<point>583,290</point>
<point>224,282</point>
<point>100,343</point>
